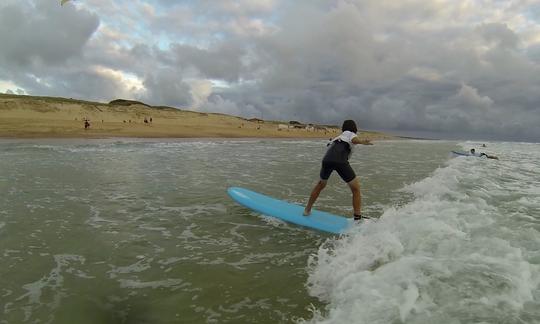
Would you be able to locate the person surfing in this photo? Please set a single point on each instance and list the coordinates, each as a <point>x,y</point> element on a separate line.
<point>473,152</point>
<point>337,159</point>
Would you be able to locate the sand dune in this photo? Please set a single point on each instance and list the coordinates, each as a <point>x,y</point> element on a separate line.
<point>47,117</point>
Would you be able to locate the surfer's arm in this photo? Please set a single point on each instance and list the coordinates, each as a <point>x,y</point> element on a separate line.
<point>489,156</point>
<point>357,140</point>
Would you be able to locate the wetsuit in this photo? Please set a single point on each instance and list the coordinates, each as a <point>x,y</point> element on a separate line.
<point>337,158</point>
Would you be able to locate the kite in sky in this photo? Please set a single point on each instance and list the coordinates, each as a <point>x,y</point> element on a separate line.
<point>63,1</point>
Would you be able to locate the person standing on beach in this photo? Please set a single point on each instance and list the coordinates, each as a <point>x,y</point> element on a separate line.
<point>337,158</point>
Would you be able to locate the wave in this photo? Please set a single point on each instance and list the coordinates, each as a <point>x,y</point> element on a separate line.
<point>465,250</point>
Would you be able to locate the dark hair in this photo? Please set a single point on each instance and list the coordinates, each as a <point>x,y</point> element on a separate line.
<point>349,125</point>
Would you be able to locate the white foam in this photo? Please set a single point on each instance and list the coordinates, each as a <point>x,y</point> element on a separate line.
<point>173,284</point>
<point>187,212</point>
<point>138,266</point>
<point>95,220</point>
<point>52,281</point>
<point>448,256</point>
<point>271,220</point>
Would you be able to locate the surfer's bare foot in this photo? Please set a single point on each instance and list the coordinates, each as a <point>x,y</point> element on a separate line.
<point>306,212</point>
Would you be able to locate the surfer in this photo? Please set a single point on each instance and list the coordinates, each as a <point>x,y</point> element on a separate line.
<point>473,152</point>
<point>337,158</point>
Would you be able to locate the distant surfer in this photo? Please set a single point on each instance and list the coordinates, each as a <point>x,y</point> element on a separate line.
<point>337,158</point>
<point>473,153</point>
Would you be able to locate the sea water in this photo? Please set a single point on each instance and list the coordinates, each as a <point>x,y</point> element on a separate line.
<point>142,231</point>
<point>466,249</point>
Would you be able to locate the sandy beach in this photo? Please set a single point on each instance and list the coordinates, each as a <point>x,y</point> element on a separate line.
<point>48,117</point>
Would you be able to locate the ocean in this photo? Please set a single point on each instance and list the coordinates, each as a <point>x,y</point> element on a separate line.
<point>142,231</point>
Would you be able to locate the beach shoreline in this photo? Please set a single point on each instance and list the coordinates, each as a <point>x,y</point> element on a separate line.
<point>29,117</point>
<point>78,140</point>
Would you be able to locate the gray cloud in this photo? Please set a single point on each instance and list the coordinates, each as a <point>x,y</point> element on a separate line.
<point>500,34</point>
<point>220,62</point>
<point>40,34</point>
<point>165,87</point>
<point>42,46</point>
<point>401,66</point>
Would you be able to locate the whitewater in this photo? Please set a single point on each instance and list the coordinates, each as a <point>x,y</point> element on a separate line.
<point>465,249</point>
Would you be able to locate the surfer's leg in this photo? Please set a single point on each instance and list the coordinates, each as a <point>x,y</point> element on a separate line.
<point>314,195</point>
<point>346,173</point>
<point>326,171</point>
<point>354,184</point>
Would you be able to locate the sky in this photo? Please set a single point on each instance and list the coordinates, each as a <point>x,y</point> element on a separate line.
<point>467,69</point>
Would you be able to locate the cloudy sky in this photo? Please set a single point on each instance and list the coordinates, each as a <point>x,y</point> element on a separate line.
<point>446,68</point>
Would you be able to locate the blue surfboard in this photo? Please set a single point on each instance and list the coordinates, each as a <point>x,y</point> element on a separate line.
<point>289,212</point>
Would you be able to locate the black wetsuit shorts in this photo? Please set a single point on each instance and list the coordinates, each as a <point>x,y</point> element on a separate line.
<point>337,158</point>
<point>342,168</point>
